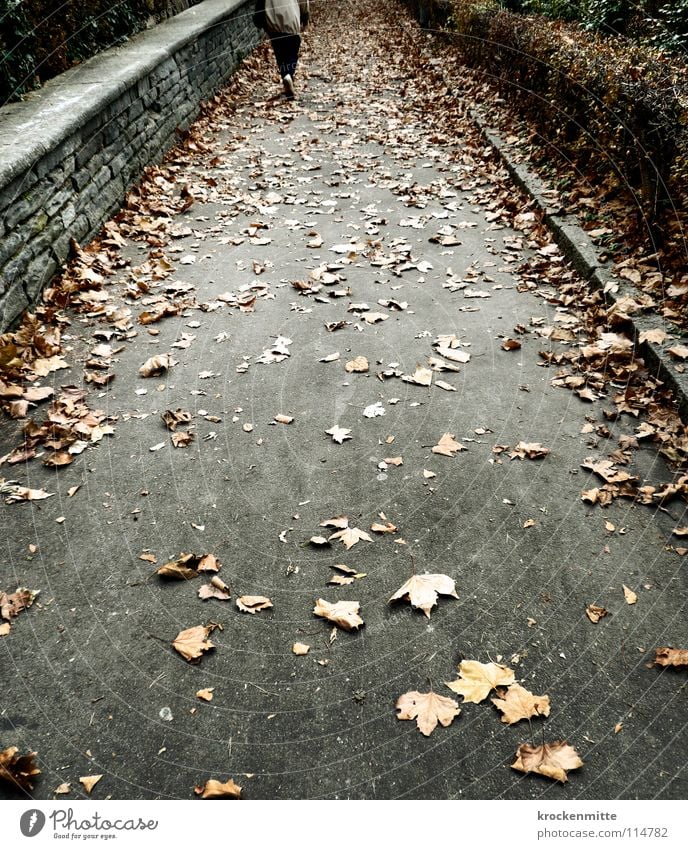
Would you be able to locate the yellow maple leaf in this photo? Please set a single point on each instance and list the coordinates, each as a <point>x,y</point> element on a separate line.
<point>476,680</point>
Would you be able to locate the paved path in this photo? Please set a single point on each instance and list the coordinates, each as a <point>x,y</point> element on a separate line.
<point>370,156</point>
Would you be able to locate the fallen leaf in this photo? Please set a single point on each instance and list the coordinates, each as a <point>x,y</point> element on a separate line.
<point>215,589</point>
<point>357,365</point>
<point>12,604</point>
<point>253,603</point>
<point>188,566</point>
<point>594,613</point>
<point>511,345</point>
<point>213,789</point>
<point>476,680</point>
<point>351,536</point>
<point>678,658</point>
<point>629,595</point>
<point>193,642</point>
<point>339,434</point>
<point>422,591</point>
<point>446,386</point>
<point>89,782</point>
<point>339,522</point>
<point>387,528</point>
<point>18,769</point>
<point>549,759</point>
<point>448,446</point>
<point>421,377</point>
<point>427,709</point>
<point>173,419</point>
<point>679,351</point>
<point>517,703</point>
<point>63,789</point>
<point>373,410</point>
<point>342,613</point>
<point>182,439</point>
<point>205,695</point>
<point>5,628</point>
<point>157,365</point>
<point>530,450</point>
<point>300,649</point>
<point>656,335</point>
<point>282,419</point>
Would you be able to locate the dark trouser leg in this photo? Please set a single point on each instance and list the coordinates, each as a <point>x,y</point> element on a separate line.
<point>286,50</point>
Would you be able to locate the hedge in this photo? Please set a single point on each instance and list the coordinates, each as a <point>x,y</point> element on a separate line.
<point>41,38</point>
<point>618,110</point>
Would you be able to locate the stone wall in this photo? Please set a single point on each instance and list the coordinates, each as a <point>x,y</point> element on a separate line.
<point>70,151</point>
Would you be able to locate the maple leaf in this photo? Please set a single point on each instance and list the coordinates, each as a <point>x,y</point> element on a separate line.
<point>531,450</point>
<point>549,759</point>
<point>351,536</point>
<point>422,591</point>
<point>193,642</point>
<point>157,365</point>
<point>342,613</point>
<point>448,446</point>
<point>427,709</point>
<point>387,528</point>
<point>517,703</point>
<point>678,658</point>
<point>89,782</point>
<point>214,789</point>
<point>339,434</point>
<point>174,418</point>
<point>18,769</point>
<point>253,603</point>
<point>182,440</point>
<point>476,680</point>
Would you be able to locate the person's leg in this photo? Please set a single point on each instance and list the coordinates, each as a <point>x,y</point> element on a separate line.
<point>286,49</point>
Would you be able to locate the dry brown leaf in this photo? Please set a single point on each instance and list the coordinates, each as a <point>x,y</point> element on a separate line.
<point>206,695</point>
<point>342,613</point>
<point>679,351</point>
<point>63,789</point>
<point>629,595</point>
<point>300,649</point>
<point>594,613</point>
<point>339,522</point>
<point>351,536</point>
<point>529,450</point>
<point>173,418</point>
<point>18,769</point>
<point>12,604</point>
<point>157,365</point>
<point>446,386</point>
<point>666,656</point>
<point>341,580</point>
<point>476,680</point>
<point>427,709</point>
<point>188,566</point>
<point>448,446</point>
<point>511,345</point>
<point>358,365</point>
<point>182,439</point>
<point>215,589</point>
<point>253,603</point>
<point>387,528</point>
<point>421,377</point>
<point>213,789</point>
<point>193,642</point>
<point>89,782</point>
<point>550,759</point>
<point>422,591</point>
<point>16,493</point>
<point>517,703</point>
<point>282,419</point>
<point>5,629</point>
<point>656,335</point>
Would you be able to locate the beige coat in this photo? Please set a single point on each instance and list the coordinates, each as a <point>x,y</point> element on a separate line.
<point>285,15</point>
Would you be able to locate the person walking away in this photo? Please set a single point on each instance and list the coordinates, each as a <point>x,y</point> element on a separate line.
<point>284,20</point>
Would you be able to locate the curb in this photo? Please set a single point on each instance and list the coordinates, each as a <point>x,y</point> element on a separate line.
<point>580,251</point>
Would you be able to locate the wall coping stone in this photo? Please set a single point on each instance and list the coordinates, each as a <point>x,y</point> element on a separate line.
<point>46,118</point>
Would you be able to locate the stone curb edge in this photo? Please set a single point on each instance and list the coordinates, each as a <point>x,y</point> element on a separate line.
<point>579,250</point>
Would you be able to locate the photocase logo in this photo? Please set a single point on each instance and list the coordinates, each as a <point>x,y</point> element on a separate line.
<point>32,822</point>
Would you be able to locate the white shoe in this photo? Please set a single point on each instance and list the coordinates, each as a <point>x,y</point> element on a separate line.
<point>288,86</point>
